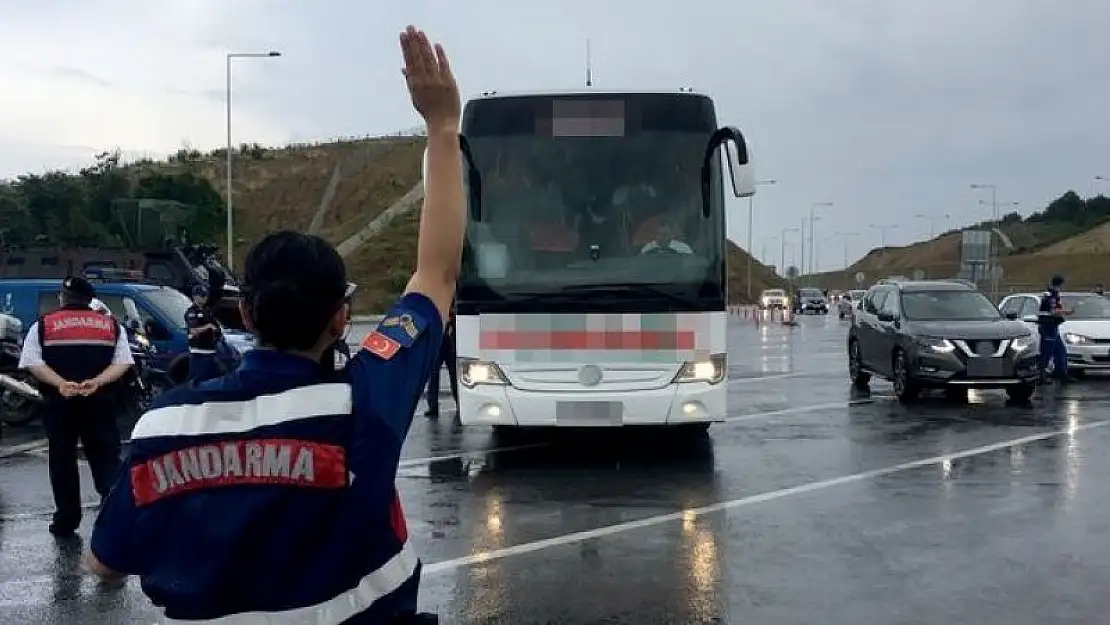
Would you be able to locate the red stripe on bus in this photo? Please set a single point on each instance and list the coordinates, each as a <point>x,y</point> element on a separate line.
<point>569,340</point>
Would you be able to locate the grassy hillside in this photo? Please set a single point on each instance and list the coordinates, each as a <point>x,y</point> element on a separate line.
<point>283,188</point>
<point>1071,237</point>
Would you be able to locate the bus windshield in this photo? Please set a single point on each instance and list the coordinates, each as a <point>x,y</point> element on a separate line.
<point>596,200</point>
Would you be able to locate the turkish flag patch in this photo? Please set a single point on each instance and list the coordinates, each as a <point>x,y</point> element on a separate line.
<point>380,345</point>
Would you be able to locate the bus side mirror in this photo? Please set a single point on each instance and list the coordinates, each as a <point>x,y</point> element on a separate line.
<point>738,157</point>
<point>470,171</point>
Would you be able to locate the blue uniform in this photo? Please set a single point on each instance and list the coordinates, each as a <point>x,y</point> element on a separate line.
<point>1048,326</point>
<point>269,493</point>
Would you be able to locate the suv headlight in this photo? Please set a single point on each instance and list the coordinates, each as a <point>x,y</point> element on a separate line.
<point>940,346</point>
<point>1023,343</point>
<point>473,372</point>
<point>713,370</point>
<point>1076,339</point>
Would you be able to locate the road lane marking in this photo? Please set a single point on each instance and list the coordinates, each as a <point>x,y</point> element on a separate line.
<point>618,528</point>
<point>797,410</point>
<point>764,378</point>
<point>40,451</point>
<point>14,450</point>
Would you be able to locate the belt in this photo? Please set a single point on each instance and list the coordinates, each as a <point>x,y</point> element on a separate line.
<point>381,582</point>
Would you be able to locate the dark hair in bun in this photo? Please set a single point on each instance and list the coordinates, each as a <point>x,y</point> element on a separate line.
<point>292,285</point>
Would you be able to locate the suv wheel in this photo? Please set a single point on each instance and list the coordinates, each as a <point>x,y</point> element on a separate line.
<point>904,386</point>
<point>856,374</point>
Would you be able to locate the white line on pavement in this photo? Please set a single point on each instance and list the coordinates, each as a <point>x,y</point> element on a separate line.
<point>39,444</point>
<point>609,530</point>
<point>13,450</point>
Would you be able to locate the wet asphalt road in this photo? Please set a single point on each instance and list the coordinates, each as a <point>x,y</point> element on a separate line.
<point>809,505</point>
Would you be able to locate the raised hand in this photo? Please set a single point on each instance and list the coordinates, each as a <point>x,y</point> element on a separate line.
<point>435,95</point>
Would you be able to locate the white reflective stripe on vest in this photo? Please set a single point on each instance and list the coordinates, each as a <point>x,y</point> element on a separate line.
<point>197,350</point>
<point>388,578</point>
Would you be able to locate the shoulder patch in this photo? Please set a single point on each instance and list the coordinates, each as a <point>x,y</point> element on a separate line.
<point>380,345</point>
<point>402,325</point>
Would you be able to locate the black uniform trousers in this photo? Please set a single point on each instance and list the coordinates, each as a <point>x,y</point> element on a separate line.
<point>446,357</point>
<point>92,420</point>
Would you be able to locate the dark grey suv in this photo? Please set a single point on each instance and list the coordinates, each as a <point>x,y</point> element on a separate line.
<point>939,334</point>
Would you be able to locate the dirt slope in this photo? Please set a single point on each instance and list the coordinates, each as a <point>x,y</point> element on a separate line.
<point>283,188</point>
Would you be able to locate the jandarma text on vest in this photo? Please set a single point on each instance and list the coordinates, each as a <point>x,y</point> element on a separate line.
<point>279,462</point>
<point>60,323</point>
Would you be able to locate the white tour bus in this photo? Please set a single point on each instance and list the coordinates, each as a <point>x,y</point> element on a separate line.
<point>593,287</point>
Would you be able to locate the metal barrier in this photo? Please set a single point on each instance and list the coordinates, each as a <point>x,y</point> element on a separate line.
<point>754,314</point>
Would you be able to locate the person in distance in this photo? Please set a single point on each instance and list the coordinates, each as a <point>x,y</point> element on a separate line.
<point>267,495</point>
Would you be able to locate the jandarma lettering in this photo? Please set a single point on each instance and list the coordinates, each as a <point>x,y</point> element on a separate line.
<point>99,322</point>
<point>283,462</point>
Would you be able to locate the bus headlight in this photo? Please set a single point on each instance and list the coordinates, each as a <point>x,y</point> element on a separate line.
<point>712,371</point>
<point>473,372</point>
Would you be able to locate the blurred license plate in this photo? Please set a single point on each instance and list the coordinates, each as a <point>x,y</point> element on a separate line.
<point>985,367</point>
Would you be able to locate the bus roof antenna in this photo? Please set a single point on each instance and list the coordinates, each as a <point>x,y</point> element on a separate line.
<point>589,66</point>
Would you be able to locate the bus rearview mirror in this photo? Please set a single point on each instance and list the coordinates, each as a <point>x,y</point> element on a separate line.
<point>739,164</point>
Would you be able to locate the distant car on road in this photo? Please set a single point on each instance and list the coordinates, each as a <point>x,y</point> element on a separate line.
<point>942,335</point>
<point>1086,330</point>
<point>774,298</point>
<point>811,300</point>
<point>848,301</point>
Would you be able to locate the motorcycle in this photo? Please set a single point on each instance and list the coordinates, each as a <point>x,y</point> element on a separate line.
<point>144,381</point>
<point>19,395</point>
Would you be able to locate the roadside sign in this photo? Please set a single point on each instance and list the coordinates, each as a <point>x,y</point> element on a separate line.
<point>791,272</point>
<point>860,277</point>
<point>918,274</point>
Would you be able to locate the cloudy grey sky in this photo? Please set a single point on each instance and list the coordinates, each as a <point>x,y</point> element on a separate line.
<point>889,108</point>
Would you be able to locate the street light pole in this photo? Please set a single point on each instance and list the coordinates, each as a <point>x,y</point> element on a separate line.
<point>763,252</point>
<point>751,221</point>
<point>882,236</point>
<point>846,236</point>
<point>812,245</point>
<point>990,231</point>
<point>230,217</point>
<point>932,223</point>
<point>782,257</point>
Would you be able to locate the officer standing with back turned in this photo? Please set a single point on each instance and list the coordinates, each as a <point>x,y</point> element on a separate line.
<point>75,352</point>
<point>1049,317</point>
<point>268,495</point>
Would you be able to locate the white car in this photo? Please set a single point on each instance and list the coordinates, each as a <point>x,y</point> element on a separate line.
<point>1086,331</point>
<point>774,298</point>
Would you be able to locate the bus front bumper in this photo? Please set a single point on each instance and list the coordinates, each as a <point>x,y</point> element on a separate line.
<point>675,404</point>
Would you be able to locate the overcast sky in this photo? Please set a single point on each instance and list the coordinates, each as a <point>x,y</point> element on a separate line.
<point>888,108</point>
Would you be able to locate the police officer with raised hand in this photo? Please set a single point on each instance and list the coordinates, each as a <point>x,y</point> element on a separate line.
<point>267,495</point>
<point>204,330</point>
<point>75,352</point>
<point>1050,315</point>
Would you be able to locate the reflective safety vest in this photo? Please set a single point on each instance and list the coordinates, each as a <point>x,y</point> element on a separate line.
<point>77,343</point>
<point>267,496</point>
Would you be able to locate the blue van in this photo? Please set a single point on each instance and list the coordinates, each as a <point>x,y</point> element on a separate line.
<point>160,309</point>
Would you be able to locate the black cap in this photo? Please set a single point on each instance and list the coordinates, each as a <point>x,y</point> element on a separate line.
<point>1057,280</point>
<point>79,287</point>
